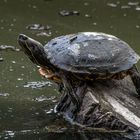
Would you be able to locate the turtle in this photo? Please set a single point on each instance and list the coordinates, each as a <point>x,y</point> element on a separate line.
<point>89,56</point>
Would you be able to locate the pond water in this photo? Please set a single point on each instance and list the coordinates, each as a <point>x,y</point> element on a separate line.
<point>26,99</point>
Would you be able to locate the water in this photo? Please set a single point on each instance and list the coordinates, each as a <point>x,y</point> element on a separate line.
<point>27,99</point>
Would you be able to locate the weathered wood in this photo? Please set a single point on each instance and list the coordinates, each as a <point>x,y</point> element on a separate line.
<point>111,104</point>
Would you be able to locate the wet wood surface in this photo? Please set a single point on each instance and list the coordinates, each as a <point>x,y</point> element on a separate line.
<point>109,104</point>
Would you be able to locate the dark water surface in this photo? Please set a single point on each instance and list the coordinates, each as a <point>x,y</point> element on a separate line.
<point>27,99</point>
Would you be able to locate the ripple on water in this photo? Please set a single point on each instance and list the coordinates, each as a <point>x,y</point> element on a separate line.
<point>69,13</point>
<point>4,94</point>
<point>138,8</point>
<point>6,135</point>
<point>38,27</point>
<point>49,111</point>
<point>44,98</point>
<point>1,59</point>
<point>133,3</point>
<point>8,47</point>
<point>112,5</point>
<point>37,84</point>
<point>44,34</point>
<point>125,7</point>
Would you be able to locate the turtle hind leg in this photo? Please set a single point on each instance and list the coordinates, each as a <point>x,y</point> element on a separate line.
<point>135,76</point>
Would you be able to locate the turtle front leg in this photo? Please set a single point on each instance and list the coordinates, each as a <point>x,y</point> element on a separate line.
<point>49,75</point>
<point>73,96</point>
<point>70,91</point>
<point>135,76</point>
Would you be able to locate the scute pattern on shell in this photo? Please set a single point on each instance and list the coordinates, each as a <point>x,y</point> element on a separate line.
<point>90,53</point>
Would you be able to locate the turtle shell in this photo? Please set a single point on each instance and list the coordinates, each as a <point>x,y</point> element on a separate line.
<point>90,53</point>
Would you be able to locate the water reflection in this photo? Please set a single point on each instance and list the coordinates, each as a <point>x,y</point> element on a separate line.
<point>38,135</point>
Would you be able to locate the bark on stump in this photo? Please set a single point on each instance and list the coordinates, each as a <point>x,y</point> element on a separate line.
<point>110,104</point>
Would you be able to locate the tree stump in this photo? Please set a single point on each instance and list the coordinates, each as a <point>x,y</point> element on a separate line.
<point>108,104</point>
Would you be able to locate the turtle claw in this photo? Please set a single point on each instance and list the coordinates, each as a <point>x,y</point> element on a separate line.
<point>43,71</point>
<point>49,76</point>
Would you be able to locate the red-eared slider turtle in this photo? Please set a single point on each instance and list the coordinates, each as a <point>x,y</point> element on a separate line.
<point>86,55</point>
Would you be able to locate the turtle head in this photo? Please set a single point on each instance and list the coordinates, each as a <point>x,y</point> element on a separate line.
<point>33,49</point>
